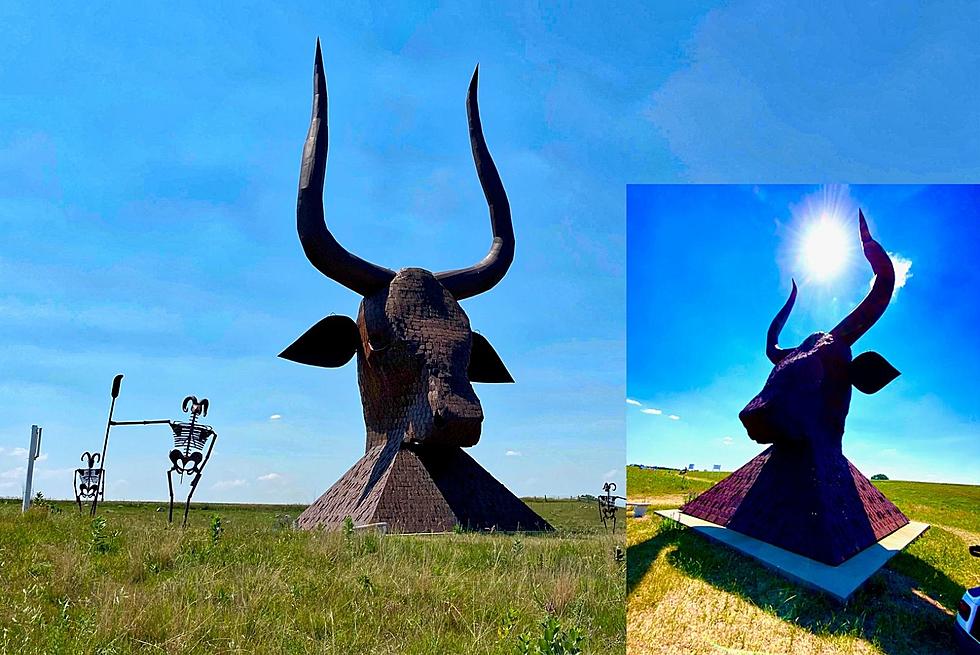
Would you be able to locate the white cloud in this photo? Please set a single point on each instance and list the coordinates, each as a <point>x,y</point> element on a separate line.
<point>728,441</point>
<point>19,452</point>
<point>630,401</point>
<point>228,484</point>
<point>611,473</point>
<point>674,417</point>
<point>13,474</point>
<point>650,410</point>
<point>54,474</point>
<point>275,417</point>
<point>268,477</point>
<point>513,453</point>
<point>903,271</point>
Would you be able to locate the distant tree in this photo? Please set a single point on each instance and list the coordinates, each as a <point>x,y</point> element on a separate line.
<point>879,476</point>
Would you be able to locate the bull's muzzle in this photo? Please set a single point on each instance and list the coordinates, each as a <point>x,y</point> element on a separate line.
<point>450,428</point>
<point>757,419</point>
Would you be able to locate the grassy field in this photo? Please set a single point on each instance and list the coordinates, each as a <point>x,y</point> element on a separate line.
<point>687,595</point>
<point>253,584</point>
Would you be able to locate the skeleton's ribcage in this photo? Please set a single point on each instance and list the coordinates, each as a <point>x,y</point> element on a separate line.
<point>189,442</point>
<point>89,481</point>
<point>190,437</point>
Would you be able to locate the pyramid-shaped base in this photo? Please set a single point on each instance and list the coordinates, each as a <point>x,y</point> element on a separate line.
<point>416,489</point>
<point>818,506</point>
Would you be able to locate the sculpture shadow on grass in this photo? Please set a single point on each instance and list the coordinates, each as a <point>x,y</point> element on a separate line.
<point>903,613</point>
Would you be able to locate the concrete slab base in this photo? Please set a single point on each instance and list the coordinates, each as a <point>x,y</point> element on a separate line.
<point>840,582</point>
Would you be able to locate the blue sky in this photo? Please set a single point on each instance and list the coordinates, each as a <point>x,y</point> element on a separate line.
<point>147,211</point>
<point>709,267</point>
<point>149,162</point>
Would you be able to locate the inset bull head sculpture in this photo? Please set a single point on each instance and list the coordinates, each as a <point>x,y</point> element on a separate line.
<point>416,354</point>
<point>807,396</point>
<point>801,494</point>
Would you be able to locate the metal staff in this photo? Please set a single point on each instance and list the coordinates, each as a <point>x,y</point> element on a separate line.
<point>116,381</point>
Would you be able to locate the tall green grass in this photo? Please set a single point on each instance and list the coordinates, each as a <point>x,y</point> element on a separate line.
<point>240,580</point>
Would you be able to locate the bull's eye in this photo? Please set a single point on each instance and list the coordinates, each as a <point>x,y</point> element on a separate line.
<point>379,343</point>
<point>379,339</point>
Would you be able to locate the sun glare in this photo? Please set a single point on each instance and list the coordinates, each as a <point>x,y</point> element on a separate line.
<point>824,247</point>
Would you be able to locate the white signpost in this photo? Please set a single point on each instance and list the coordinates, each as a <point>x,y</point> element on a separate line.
<point>32,454</point>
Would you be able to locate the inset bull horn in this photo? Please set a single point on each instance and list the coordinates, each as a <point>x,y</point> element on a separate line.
<point>467,282</point>
<point>323,251</point>
<point>773,351</point>
<point>874,304</point>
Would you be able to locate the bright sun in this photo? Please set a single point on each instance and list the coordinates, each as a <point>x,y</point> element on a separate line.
<point>824,247</point>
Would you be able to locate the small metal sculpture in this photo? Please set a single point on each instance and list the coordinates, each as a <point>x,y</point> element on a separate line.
<point>88,481</point>
<point>188,454</point>
<point>607,505</point>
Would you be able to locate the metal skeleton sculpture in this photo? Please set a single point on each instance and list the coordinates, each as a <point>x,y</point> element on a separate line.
<point>188,456</point>
<point>88,481</point>
<point>607,505</point>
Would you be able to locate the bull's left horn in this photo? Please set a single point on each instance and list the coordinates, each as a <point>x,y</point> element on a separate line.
<point>320,246</point>
<point>773,351</point>
<point>874,304</point>
<point>481,277</point>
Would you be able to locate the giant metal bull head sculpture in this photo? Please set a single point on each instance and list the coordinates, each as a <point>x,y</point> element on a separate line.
<point>416,353</point>
<point>807,395</point>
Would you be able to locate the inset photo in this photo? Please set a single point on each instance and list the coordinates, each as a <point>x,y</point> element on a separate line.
<point>801,416</point>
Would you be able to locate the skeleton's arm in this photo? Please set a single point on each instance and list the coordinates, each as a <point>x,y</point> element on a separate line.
<point>214,439</point>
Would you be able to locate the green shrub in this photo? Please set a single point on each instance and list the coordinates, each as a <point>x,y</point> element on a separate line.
<point>216,529</point>
<point>553,640</point>
<point>101,539</point>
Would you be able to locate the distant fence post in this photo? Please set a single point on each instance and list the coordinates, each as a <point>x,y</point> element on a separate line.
<point>32,455</point>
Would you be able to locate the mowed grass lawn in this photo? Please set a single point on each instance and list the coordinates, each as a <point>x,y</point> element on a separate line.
<point>258,586</point>
<point>688,595</point>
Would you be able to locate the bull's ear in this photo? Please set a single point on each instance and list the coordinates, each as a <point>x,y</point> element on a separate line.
<point>330,343</point>
<point>870,372</point>
<point>485,364</point>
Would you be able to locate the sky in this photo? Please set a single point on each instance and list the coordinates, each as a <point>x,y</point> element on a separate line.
<point>148,170</point>
<point>698,317</point>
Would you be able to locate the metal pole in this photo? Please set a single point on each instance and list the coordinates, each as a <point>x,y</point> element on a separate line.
<point>32,455</point>
<point>116,381</point>
<point>149,422</point>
